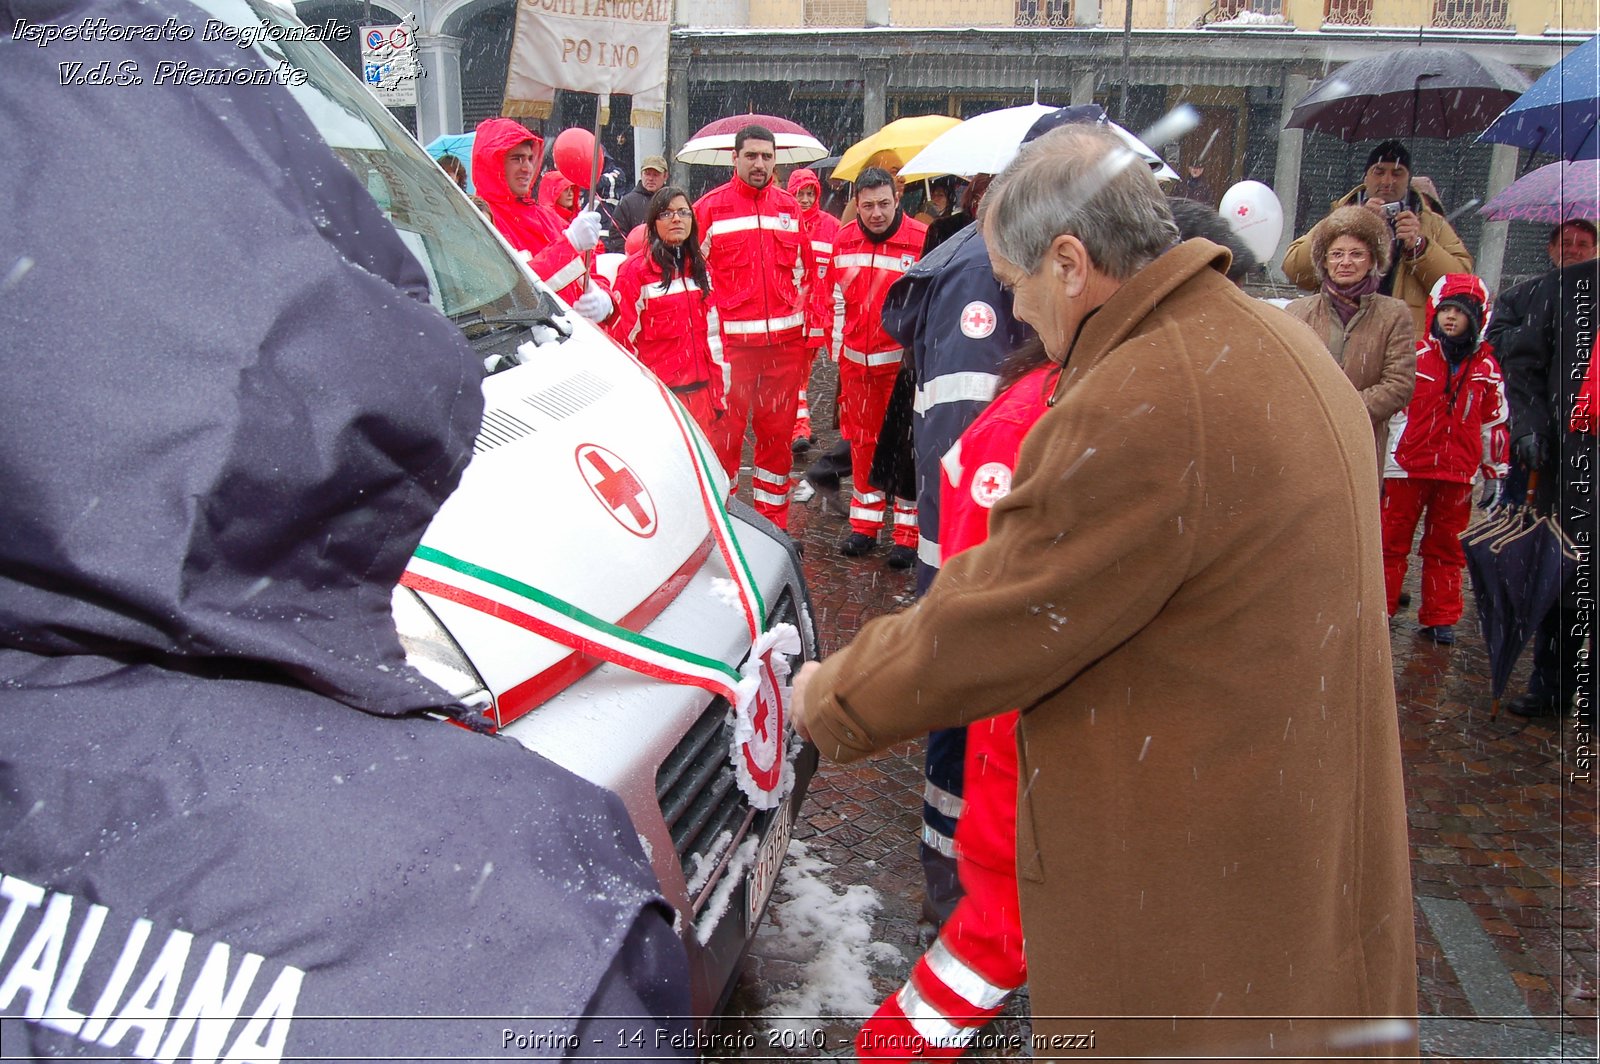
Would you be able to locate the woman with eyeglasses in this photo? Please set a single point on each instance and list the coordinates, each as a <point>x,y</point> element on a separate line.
<point>1369,334</point>
<point>665,313</point>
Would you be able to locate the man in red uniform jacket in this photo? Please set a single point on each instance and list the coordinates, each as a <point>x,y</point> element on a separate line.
<point>760,264</point>
<point>505,161</point>
<point>870,254</point>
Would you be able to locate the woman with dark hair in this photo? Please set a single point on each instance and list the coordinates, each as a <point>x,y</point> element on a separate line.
<point>665,313</point>
<point>455,168</point>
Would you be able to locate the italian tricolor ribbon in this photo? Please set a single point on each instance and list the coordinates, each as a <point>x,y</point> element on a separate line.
<point>458,580</point>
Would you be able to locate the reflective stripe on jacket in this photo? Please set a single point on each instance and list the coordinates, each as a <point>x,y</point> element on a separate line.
<point>673,328</point>
<point>860,275</point>
<point>759,262</point>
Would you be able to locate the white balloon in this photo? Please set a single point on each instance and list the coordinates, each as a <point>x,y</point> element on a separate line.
<point>606,265</point>
<point>1256,217</point>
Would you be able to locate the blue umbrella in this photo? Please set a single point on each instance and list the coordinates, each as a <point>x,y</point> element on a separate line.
<point>1557,114</point>
<point>457,144</point>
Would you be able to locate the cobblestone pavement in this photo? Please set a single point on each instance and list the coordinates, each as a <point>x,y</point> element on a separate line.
<point>1503,839</point>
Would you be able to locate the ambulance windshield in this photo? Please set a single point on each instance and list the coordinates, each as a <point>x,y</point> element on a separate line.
<point>468,271</point>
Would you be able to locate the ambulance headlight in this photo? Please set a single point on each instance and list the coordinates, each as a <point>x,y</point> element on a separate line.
<point>433,652</point>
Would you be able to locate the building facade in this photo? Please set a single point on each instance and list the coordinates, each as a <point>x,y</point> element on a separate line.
<point>844,67</point>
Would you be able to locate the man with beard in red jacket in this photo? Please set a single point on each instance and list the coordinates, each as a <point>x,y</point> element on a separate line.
<point>760,267</point>
<point>819,228</point>
<point>505,162</point>
<point>870,254</point>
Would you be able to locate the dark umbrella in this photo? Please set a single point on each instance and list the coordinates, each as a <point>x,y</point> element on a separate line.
<point>1519,564</point>
<point>1412,92</point>
<point>1557,115</point>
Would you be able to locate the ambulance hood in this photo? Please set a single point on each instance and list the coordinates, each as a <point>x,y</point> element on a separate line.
<point>222,472</point>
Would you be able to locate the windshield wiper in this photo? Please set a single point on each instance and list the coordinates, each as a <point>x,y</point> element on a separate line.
<point>545,315</point>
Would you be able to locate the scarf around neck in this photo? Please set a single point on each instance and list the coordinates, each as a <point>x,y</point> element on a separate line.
<point>1347,300</point>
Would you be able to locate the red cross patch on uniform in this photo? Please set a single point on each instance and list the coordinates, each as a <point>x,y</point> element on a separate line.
<point>977,320</point>
<point>991,483</point>
<point>618,489</point>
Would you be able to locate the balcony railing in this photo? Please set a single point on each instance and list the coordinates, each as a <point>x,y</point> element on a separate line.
<point>1574,17</point>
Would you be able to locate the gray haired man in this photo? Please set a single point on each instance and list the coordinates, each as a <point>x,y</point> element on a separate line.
<point>1211,821</point>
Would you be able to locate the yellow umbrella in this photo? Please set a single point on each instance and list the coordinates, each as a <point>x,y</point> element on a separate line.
<point>903,138</point>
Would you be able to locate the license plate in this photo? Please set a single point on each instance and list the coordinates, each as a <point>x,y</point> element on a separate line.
<point>764,873</point>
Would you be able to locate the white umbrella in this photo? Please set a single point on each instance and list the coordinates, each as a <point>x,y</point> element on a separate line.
<point>986,144</point>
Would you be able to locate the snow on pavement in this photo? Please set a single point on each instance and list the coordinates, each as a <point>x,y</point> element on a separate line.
<point>828,933</point>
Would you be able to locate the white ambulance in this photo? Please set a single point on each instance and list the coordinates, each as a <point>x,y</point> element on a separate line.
<point>584,590</point>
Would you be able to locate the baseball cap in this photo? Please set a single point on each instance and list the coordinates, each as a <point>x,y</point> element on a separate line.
<point>654,162</point>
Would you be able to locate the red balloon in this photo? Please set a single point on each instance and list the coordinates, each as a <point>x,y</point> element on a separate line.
<point>635,240</point>
<point>574,156</point>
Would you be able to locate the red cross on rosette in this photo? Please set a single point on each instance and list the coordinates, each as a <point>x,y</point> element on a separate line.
<point>759,754</point>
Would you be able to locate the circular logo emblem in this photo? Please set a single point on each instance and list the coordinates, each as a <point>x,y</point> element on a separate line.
<point>619,490</point>
<point>763,753</point>
<point>991,483</point>
<point>977,319</point>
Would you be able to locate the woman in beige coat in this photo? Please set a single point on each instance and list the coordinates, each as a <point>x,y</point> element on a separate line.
<point>1371,336</point>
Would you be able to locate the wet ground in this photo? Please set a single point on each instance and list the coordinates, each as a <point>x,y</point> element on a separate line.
<point>1503,839</point>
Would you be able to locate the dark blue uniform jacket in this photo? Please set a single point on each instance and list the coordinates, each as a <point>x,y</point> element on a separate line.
<point>227,828</point>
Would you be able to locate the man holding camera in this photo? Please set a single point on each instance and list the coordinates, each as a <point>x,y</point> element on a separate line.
<point>1425,247</point>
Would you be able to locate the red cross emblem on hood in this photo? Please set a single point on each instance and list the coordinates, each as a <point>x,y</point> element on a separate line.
<point>618,488</point>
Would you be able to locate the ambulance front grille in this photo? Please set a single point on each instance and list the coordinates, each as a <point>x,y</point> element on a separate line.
<point>700,798</point>
<point>696,788</point>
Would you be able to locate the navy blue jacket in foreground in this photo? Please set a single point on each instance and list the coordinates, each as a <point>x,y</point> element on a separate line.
<point>231,415</point>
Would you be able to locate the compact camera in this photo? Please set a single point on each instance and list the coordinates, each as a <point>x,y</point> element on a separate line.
<point>1392,210</point>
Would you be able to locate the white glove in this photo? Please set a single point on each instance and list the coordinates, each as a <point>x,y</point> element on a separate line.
<point>584,232</point>
<point>594,304</point>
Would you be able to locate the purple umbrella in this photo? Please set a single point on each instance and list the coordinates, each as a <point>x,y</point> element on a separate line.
<point>1556,193</point>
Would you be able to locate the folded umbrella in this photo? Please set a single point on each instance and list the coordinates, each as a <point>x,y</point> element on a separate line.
<point>1518,567</point>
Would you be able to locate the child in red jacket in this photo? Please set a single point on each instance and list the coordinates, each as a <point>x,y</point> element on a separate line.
<point>1454,426</point>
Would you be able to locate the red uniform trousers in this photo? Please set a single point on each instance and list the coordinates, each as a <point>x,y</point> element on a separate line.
<point>978,961</point>
<point>763,391</point>
<point>698,403</point>
<point>1448,507</point>
<point>802,415</point>
<point>863,398</point>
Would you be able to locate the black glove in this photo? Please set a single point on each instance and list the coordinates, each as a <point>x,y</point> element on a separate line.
<point>1530,450</point>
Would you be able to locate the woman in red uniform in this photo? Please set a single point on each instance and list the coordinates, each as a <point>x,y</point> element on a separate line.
<point>665,313</point>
